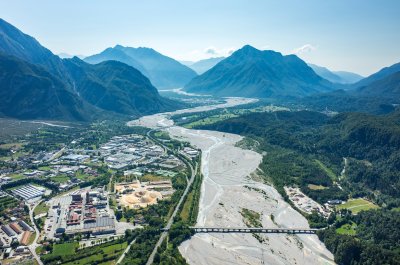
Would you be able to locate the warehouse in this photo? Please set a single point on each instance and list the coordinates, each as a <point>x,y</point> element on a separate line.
<point>9,232</point>
<point>29,192</point>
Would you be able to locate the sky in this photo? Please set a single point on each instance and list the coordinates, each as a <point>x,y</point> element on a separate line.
<point>361,36</point>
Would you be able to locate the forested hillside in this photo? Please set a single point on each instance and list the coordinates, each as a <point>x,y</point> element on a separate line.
<point>307,149</point>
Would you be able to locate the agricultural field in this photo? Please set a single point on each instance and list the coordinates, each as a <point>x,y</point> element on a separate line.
<point>64,249</point>
<point>358,205</point>
<point>327,170</point>
<point>316,187</point>
<point>347,229</point>
<point>60,179</point>
<point>41,208</point>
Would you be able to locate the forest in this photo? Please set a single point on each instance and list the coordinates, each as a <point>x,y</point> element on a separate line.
<point>307,149</point>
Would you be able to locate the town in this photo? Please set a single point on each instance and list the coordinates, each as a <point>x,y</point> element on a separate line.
<point>81,194</point>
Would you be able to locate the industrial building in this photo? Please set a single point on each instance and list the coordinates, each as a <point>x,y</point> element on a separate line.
<point>9,232</point>
<point>25,226</point>
<point>29,192</point>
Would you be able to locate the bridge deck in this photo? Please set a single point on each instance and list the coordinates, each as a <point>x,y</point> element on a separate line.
<point>253,230</point>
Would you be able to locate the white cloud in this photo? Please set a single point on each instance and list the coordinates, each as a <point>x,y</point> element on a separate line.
<point>211,50</point>
<point>306,48</point>
<point>208,52</point>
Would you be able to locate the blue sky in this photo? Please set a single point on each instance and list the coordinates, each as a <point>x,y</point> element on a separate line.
<point>355,35</point>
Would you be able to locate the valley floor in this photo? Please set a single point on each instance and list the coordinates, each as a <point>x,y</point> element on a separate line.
<point>228,195</point>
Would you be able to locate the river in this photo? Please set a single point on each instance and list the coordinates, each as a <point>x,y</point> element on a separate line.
<point>226,190</point>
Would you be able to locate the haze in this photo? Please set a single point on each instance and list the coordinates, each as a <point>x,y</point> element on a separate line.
<point>359,36</point>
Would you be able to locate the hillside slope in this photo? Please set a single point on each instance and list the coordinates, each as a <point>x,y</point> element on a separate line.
<point>249,72</point>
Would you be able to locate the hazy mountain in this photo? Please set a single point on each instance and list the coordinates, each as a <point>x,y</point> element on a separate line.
<point>250,72</point>
<point>387,87</point>
<point>163,72</point>
<point>203,66</point>
<point>348,77</point>
<point>64,55</point>
<point>113,54</point>
<point>340,77</point>
<point>378,75</point>
<point>36,84</point>
<point>379,97</point>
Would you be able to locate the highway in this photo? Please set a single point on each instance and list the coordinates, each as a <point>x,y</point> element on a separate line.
<point>164,234</point>
<point>171,219</point>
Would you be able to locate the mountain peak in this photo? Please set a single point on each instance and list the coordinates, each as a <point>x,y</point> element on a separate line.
<point>164,72</point>
<point>250,72</point>
<point>247,49</point>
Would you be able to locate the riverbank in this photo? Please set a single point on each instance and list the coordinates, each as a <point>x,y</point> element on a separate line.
<point>226,192</point>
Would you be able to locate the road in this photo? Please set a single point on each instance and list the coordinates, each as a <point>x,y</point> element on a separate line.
<point>164,234</point>
<point>34,245</point>
<point>171,219</point>
<point>125,252</point>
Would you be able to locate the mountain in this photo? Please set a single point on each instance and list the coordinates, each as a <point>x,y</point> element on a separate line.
<point>16,43</point>
<point>64,55</point>
<point>387,87</point>
<point>163,72</point>
<point>111,54</point>
<point>249,72</point>
<point>36,84</point>
<point>28,91</point>
<point>378,75</point>
<point>340,77</point>
<point>348,77</point>
<point>203,66</point>
<point>115,86</point>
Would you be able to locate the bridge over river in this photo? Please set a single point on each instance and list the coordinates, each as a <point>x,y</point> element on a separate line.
<point>252,230</point>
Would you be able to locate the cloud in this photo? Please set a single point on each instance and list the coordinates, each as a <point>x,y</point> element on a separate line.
<point>306,48</point>
<point>211,51</point>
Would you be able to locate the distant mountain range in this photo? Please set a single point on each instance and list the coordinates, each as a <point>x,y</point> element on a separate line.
<point>64,55</point>
<point>36,84</point>
<point>386,87</point>
<point>340,77</point>
<point>250,72</point>
<point>203,66</point>
<point>379,93</point>
<point>163,72</point>
<point>384,72</point>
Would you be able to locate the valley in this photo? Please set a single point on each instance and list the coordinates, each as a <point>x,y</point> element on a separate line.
<point>199,133</point>
<point>226,190</point>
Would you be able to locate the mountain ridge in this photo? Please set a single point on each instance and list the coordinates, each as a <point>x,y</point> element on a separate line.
<point>69,89</point>
<point>250,72</point>
<point>163,71</point>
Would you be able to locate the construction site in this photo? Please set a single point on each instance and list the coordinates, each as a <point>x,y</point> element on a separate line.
<point>136,194</point>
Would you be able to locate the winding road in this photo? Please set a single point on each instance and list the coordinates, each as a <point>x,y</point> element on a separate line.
<point>34,245</point>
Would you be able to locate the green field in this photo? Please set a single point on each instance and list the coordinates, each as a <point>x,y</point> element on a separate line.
<point>64,249</point>
<point>41,208</point>
<point>358,205</point>
<point>347,229</point>
<point>327,170</point>
<point>60,179</point>
<point>45,168</point>
<point>113,251</point>
<point>185,213</point>
<point>210,120</point>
